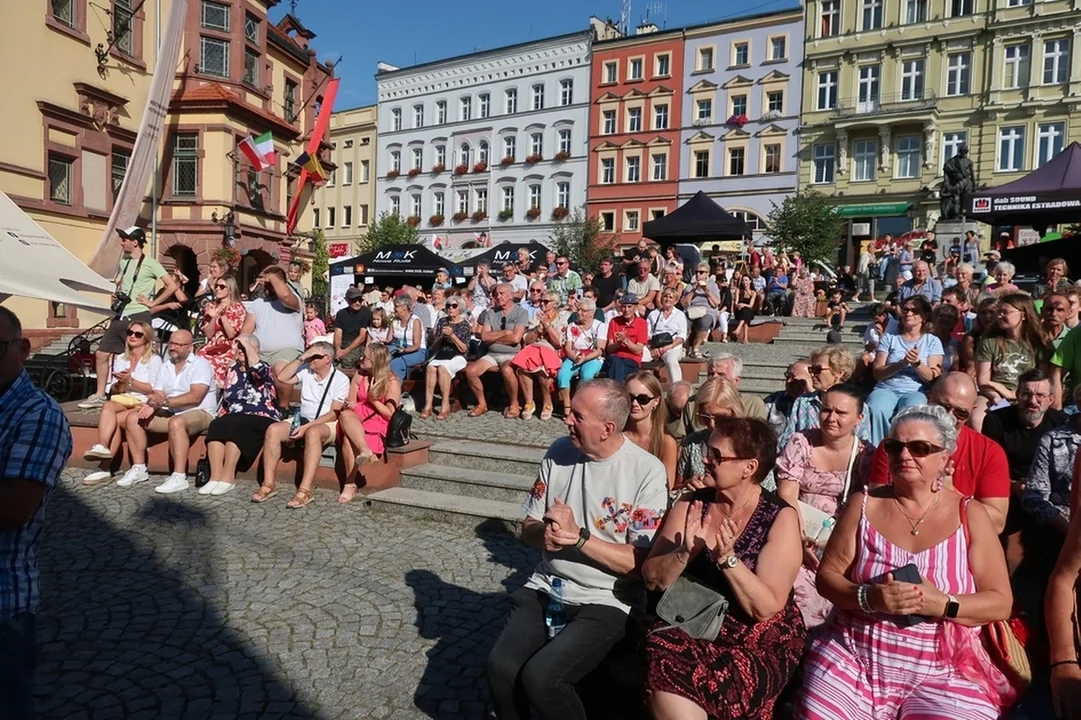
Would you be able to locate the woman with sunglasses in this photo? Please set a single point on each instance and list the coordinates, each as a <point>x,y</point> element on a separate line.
<point>716,398</point>
<point>818,468</point>
<point>706,304</point>
<point>744,303</point>
<point>539,360</point>
<point>743,542</point>
<point>450,343</point>
<point>986,315</point>
<point>132,378</point>
<point>1013,345</point>
<point>830,365</point>
<point>222,320</point>
<point>408,339</point>
<point>374,395</point>
<point>914,570</point>
<point>645,426</point>
<point>906,363</point>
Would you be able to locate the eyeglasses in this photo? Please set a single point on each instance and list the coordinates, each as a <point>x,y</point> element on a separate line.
<point>817,369</point>
<point>318,357</point>
<point>545,302</point>
<point>452,305</point>
<point>715,457</point>
<point>642,400</point>
<point>1027,395</point>
<point>136,334</point>
<point>536,290</point>
<point>562,262</point>
<point>916,448</point>
<point>221,286</point>
<point>702,272</point>
<point>958,412</point>
<point>909,310</point>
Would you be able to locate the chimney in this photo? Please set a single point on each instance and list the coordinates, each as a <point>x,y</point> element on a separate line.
<point>646,29</point>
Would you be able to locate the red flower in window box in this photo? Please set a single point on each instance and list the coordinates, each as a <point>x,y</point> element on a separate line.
<point>738,120</point>
<point>413,172</point>
<point>435,220</point>
<point>412,220</point>
<point>480,167</point>
<point>533,213</point>
<point>479,215</point>
<point>461,169</point>
<point>459,216</point>
<point>391,174</point>
<point>506,161</point>
<point>562,156</point>
<point>438,168</point>
<point>559,213</point>
<point>534,158</point>
<point>229,255</point>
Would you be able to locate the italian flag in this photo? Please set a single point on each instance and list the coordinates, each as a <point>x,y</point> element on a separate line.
<point>260,150</point>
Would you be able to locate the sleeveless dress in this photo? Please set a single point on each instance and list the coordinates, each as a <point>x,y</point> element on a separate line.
<point>218,350</point>
<point>740,674</point>
<point>865,667</point>
<point>804,303</point>
<point>375,425</point>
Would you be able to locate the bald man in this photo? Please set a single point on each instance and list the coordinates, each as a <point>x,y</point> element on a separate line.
<point>182,405</point>
<point>980,468</point>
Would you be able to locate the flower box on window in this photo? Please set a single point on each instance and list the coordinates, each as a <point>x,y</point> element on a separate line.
<point>737,120</point>
<point>480,167</point>
<point>414,172</point>
<point>391,174</point>
<point>559,213</point>
<point>771,115</point>
<point>505,215</point>
<point>534,158</point>
<point>533,213</point>
<point>435,220</point>
<point>412,220</point>
<point>461,169</point>
<point>562,156</point>
<point>479,215</point>
<point>506,161</point>
<point>459,216</point>
<point>438,168</point>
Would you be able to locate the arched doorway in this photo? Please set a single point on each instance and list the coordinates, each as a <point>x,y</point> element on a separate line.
<point>251,265</point>
<point>184,258</point>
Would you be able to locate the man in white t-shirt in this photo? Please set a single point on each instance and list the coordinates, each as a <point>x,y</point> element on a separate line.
<point>277,319</point>
<point>519,283</point>
<point>322,392</point>
<point>593,511</point>
<point>182,404</point>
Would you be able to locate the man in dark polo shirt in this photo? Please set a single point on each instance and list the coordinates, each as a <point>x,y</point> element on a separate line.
<point>1018,428</point>
<point>607,282</point>
<point>351,329</point>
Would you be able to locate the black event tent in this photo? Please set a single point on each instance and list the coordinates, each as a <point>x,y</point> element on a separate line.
<point>499,255</point>
<point>408,262</point>
<point>1049,195</point>
<point>698,220</point>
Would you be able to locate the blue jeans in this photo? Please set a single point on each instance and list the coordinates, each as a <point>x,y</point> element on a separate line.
<point>587,370</point>
<point>882,403</point>
<point>401,364</point>
<point>17,659</point>
<point>620,367</point>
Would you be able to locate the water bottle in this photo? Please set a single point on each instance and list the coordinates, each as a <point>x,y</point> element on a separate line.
<point>827,524</point>
<point>294,424</point>
<point>555,618</point>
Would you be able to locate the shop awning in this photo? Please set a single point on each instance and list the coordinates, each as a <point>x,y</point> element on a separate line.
<point>874,209</point>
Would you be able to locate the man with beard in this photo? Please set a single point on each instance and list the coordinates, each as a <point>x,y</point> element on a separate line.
<point>1018,428</point>
<point>277,320</point>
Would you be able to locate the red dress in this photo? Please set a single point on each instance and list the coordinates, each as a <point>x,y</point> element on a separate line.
<point>218,350</point>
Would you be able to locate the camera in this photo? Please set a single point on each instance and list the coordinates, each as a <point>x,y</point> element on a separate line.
<point>120,301</point>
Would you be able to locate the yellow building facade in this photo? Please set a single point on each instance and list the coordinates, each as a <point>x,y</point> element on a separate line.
<point>71,125</point>
<point>345,206</point>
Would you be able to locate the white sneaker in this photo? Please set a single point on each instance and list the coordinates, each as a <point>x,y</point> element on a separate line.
<point>98,452</point>
<point>173,484</point>
<point>220,487</point>
<point>208,489</point>
<point>98,477</point>
<point>94,401</point>
<point>136,474</point>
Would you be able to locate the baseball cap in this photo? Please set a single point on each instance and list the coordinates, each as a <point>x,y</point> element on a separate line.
<point>629,298</point>
<point>993,255</point>
<point>353,293</point>
<point>134,232</point>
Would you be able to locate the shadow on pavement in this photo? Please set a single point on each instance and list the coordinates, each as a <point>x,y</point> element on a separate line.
<point>129,625</point>
<point>466,624</point>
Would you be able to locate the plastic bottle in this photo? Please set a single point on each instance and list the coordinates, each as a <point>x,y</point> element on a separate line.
<point>555,618</point>
<point>294,424</point>
<point>827,524</point>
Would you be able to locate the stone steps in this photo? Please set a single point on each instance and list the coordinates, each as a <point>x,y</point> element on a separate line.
<point>468,482</point>
<point>457,510</point>
<point>470,454</point>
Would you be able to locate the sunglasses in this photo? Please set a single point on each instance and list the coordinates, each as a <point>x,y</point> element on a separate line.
<point>702,272</point>
<point>642,400</point>
<point>916,448</point>
<point>136,334</point>
<point>817,369</point>
<point>715,457</point>
<point>545,302</point>
<point>318,357</point>
<point>909,310</point>
<point>452,305</point>
<point>221,286</point>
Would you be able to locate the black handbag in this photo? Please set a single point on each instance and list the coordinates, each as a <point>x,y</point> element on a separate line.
<point>202,471</point>
<point>399,429</point>
<point>661,340</point>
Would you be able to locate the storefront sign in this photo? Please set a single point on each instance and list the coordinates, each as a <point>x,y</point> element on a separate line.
<point>1021,203</point>
<point>337,250</point>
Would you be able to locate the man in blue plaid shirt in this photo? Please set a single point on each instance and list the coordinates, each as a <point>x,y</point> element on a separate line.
<point>35,443</point>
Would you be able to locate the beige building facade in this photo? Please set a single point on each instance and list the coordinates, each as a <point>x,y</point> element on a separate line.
<point>345,206</point>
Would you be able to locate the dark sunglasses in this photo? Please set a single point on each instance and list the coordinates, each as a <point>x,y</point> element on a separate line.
<point>817,369</point>
<point>452,305</point>
<point>135,334</point>
<point>221,286</point>
<point>642,400</point>
<point>702,272</point>
<point>564,262</point>
<point>318,357</point>
<point>916,448</point>
<point>545,302</point>
<point>716,458</point>
<point>959,413</point>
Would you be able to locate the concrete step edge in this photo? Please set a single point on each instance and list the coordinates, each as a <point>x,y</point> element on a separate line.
<point>518,453</point>
<point>470,476</point>
<point>457,504</point>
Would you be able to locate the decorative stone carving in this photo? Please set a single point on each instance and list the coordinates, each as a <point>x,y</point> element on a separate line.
<point>930,136</point>
<point>884,149</point>
<point>842,149</point>
<point>99,105</point>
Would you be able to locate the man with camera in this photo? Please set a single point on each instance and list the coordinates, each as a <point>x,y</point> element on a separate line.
<point>137,276</point>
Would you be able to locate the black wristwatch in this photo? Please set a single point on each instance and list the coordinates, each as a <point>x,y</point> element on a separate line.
<point>952,607</point>
<point>583,536</point>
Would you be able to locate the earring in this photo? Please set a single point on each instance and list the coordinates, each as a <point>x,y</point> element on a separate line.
<point>937,487</point>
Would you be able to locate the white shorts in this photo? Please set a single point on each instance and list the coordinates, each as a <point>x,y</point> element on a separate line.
<point>453,366</point>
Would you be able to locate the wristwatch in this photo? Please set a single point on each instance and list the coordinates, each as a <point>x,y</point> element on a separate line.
<point>917,363</point>
<point>728,563</point>
<point>952,607</point>
<point>583,536</point>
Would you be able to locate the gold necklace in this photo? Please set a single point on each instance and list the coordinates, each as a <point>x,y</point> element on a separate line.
<point>916,524</point>
<point>742,505</point>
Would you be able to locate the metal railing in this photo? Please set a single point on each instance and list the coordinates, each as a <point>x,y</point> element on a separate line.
<point>886,104</point>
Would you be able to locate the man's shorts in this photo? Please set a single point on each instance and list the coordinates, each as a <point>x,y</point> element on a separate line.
<point>497,359</point>
<point>198,421</point>
<point>114,341</point>
<point>285,355</point>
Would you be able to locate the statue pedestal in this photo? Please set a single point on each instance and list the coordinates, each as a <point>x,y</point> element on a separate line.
<point>947,230</point>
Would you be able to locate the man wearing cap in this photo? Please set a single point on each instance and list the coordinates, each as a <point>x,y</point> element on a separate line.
<point>351,325</point>
<point>628,335</point>
<point>137,276</point>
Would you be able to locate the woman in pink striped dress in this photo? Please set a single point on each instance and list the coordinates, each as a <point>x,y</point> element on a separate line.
<point>869,664</point>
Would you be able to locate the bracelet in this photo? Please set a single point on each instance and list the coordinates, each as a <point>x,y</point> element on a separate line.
<point>862,599</point>
<point>1063,662</point>
<point>578,545</point>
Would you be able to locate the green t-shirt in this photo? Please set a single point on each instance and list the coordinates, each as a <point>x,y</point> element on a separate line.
<point>149,273</point>
<point>1008,358</point>
<point>1068,357</point>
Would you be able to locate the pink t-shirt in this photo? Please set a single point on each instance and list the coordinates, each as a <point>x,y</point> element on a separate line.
<point>313,329</point>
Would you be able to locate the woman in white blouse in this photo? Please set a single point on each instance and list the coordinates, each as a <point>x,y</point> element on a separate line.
<point>408,340</point>
<point>667,333</point>
<point>583,350</point>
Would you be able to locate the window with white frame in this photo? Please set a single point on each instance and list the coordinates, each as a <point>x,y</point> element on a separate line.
<point>660,117</point>
<point>362,215</point>
<point>330,217</point>
<point>1011,148</point>
<point>772,158</point>
<point>464,154</point>
<point>864,159</point>
<point>1015,68</point>
<point>566,92</point>
<point>534,196</point>
<point>483,152</point>
<point>315,217</point>
<point>608,221</point>
<point>958,73</point>
<point>915,11</point>
<point>538,96</point>
<point>912,73</point>
<point>775,101</point>
<point>480,200</point>
<point>705,109</point>
<point>215,16</point>
<point>951,144</point>
<point>829,18</point>
<point>608,117</point>
<point>634,69</point>
<point>1049,141</point>
<point>485,101</point>
<point>414,205</point>
<point>418,158</point>
<point>441,112</point>
<point>1018,3</point>
<point>396,160</point>
<point>824,155</point>
<point>65,13</point>
<point>536,144</point>
<point>348,170</point>
<point>510,98</point>
<point>868,88</point>
<point>741,54</point>
<point>778,47</point>
<point>251,27</point>
<point>754,222</point>
<point>395,205</point>
<point>565,141</point>
<point>509,146</point>
<point>439,206</point>
<point>608,171</point>
<point>563,194</point>
<point>365,171</point>
<point>120,161</point>
<point>633,170</point>
<point>907,163</point>
<point>739,104</point>
<point>462,201</point>
<point>872,15</point>
<point>660,166</point>
<point>418,116</point>
<point>123,16</point>
<point>1056,61</point>
<point>508,198</point>
<point>440,155</point>
<point>662,65</point>
<point>251,67</point>
<point>465,108</point>
<point>705,58</point>
<point>611,72</point>
<point>347,216</point>
<point>630,220</point>
<point>737,161</point>
<point>960,8</point>
<point>214,56</point>
<point>701,163</point>
<point>634,120</point>
<point>396,119</point>
<point>827,90</point>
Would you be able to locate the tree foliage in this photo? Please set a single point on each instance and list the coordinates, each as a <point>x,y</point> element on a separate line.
<point>389,229</point>
<point>583,240</point>
<point>807,222</point>
<point>320,266</point>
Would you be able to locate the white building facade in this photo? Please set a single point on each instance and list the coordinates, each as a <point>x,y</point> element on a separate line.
<point>489,147</point>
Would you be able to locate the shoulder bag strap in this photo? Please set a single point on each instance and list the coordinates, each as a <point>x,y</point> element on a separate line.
<point>326,390</point>
<point>856,445</point>
<point>135,276</point>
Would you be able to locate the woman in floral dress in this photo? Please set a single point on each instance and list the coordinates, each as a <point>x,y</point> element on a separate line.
<point>803,304</point>
<point>222,320</point>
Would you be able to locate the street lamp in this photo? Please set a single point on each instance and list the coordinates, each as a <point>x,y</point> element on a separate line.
<point>228,227</point>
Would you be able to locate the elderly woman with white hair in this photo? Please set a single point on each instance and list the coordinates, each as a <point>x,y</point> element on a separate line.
<point>667,333</point>
<point>583,350</point>
<point>1001,280</point>
<point>408,341</point>
<point>914,570</point>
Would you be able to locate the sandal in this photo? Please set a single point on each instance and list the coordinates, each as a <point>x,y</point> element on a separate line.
<point>368,458</point>
<point>512,412</point>
<point>301,499</point>
<point>348,493</point>
<point>264,493</point>
<point>443,414</point>
<point>425,413</point>
<point>546,412</point>
<point>527,411</point>
<point>479,410</point>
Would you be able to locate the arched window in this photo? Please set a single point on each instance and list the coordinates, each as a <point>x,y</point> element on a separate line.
<point>754,222</point>
<point>463,154</point>
<point>482,155</point>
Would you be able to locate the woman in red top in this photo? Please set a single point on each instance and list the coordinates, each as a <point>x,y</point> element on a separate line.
<point>222,320</point>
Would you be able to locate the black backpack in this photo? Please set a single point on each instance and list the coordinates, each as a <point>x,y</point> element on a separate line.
<point>399,430</point>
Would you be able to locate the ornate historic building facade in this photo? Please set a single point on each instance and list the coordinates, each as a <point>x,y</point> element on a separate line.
<point>345,205</point>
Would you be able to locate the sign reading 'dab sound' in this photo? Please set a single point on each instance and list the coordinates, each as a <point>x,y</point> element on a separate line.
<point>1020,203</point>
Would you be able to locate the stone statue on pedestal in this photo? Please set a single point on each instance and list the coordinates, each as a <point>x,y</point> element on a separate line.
<point>958,178</point>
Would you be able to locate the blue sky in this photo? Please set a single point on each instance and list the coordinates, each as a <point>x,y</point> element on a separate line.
<point>407,32</point>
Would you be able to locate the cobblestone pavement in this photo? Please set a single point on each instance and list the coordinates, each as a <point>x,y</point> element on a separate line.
<point>196,607</point>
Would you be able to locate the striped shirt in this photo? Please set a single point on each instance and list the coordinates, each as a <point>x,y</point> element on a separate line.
<point>35,443</point>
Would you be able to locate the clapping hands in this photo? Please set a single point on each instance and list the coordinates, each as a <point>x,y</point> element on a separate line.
<point>562,530</point>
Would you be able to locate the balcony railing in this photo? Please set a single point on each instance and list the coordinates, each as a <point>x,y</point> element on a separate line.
<point>886,104</point>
